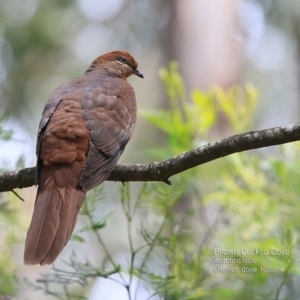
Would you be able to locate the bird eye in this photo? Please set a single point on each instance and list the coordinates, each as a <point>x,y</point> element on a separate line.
<point>122,60</point>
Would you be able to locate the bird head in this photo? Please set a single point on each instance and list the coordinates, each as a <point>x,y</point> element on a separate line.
<point>116,63</point>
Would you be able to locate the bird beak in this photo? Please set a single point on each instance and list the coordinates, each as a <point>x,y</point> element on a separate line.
<point>138,73</point>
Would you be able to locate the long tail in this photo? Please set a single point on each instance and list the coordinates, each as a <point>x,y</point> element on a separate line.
<point>57,204</point>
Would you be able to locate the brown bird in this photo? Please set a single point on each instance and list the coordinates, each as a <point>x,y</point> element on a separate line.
<point>84,129</point>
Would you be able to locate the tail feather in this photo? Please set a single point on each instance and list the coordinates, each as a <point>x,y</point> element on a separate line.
<point>43,226</point>
<point>54,217</point>
<point>67,217</point>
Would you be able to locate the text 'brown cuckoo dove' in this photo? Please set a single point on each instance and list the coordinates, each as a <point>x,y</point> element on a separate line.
<point>84,129</point>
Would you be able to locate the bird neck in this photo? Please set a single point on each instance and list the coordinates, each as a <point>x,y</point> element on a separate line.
<point>107,68</point>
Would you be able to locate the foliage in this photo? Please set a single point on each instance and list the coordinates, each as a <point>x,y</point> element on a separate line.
<point>5,135</point>
<point>8,234</point>
<point>8,228</point>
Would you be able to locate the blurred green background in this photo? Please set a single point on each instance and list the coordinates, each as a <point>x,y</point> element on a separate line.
<point>216,43</point>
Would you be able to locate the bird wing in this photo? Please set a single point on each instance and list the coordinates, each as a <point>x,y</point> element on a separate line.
<point>109,111</point>
<point>54,100</point>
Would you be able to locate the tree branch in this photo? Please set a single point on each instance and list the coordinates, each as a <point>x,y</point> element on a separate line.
<point>162,171</point>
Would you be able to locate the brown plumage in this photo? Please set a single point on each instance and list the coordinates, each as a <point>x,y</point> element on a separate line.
<point>84,129</point>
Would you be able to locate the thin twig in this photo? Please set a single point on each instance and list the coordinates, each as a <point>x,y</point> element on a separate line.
<point>103,245</point>
<point>14,192</point>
